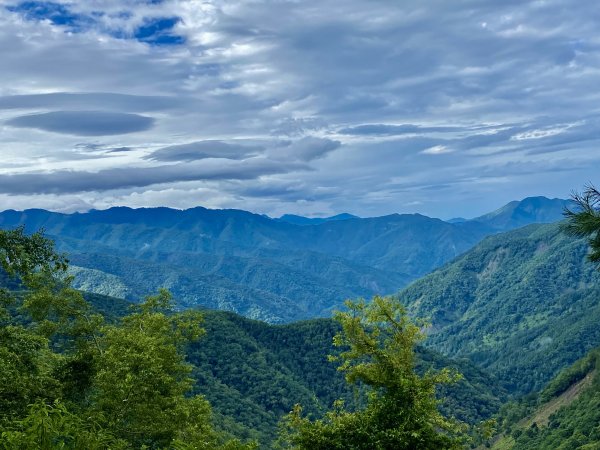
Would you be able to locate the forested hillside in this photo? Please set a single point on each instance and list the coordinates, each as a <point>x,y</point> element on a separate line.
<point>263,268</point>
<point>522,304</point>
<point>124,369</point>
<point>253,373</point>
<point>565,414</point>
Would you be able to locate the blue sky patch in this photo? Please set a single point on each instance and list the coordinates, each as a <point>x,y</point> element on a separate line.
<point>158,31</point>
<point>154,31</point>
<point>56,13</point>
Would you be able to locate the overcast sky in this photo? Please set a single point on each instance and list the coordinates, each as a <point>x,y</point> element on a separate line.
<point>313,107</point>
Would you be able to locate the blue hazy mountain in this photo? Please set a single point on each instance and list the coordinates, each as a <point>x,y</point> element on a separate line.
<point>529,210</point>
<point>301,220</point>
<point>263,268</point>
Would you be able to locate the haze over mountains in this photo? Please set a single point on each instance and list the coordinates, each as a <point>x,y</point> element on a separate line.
<point>278,270</point>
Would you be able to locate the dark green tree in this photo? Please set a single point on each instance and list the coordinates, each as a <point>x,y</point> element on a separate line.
<point>401,410</point>
<point>584,219</point>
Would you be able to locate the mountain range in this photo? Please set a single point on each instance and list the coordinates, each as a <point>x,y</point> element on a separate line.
<point>512,308</point>
<point>277,270</point>
<point>512,314</point>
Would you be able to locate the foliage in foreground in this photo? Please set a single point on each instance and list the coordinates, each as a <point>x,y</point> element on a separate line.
<point>584,219</point>
<point>253,373</point>
<point>401,410</point>
<point>69,380</point>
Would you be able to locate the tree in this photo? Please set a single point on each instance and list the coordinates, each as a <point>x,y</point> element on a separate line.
<point>69,380</point>
<point>141,379</point>
<point>584,219</point>
<point>27,364</point>
<point>401,410</point>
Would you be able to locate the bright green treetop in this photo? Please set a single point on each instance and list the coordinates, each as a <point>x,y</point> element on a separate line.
<point>401,410</point>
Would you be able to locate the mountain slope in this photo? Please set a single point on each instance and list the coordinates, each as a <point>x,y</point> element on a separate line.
<point>231,259</point>
<point>253,373</point>
<point>566,414</point>
<point>522,304</point>
<point>530,210</point>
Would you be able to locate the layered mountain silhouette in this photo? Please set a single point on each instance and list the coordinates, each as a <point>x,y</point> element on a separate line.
<point>278,270</point>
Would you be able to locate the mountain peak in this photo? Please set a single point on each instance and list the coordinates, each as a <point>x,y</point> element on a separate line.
<point>301,220</point>
<point>530,210</point>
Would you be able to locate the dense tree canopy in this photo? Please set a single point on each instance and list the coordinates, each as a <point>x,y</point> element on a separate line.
<point>70,380</point>
<point>401,409</point>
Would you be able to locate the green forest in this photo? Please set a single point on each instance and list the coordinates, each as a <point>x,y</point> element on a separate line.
<point>89,371</point>
<point>74,377</point>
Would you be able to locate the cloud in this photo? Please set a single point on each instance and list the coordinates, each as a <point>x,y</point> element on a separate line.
<point>204,149</point>
<point>364,98</point>
<point>72,181</point>
<point>84,123</point>
<point>97,100</point>
<point>305,149</point>
<point>119,150</point>
<point>436,150</point>
<point>394,130</point>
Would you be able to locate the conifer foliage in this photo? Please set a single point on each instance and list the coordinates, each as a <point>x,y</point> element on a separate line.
<point>584,219</point>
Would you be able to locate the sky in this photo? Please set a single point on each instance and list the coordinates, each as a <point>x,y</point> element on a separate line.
<point>445,108</point>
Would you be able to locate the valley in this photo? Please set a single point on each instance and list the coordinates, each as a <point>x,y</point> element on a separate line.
<point>262,268</point>
<point>510,311</point>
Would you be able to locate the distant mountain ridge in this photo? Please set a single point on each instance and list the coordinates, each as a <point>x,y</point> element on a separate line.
<point>301,220</point>
<point>530,210</point>
<point>263,268</point>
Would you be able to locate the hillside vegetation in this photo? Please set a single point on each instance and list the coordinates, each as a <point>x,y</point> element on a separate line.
<point>522,304</point>
<point>564,415</point>
<point>253,373</point>
<point>268,269</point>
<point>119,379</point>
<point>510,314</point>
